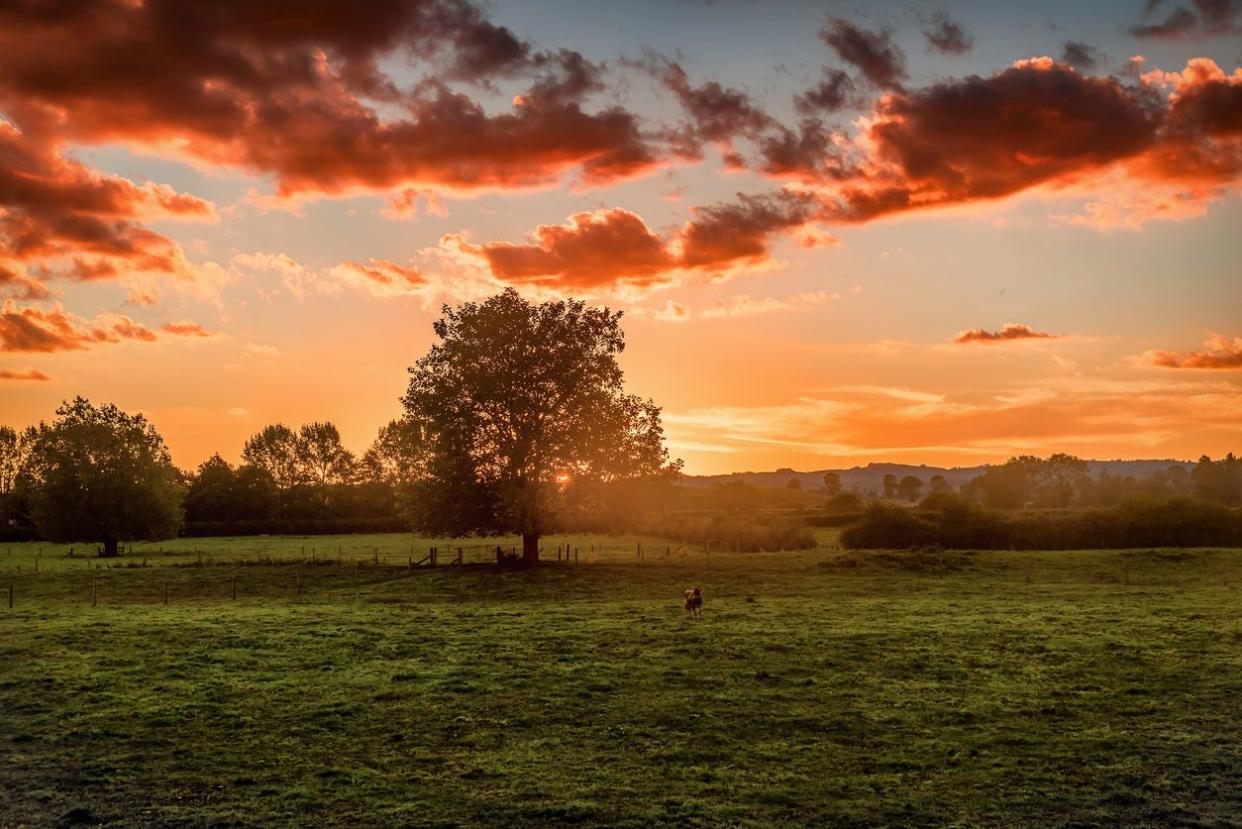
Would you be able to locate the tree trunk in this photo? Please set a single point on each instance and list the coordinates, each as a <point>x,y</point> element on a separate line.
<point>110,548</point>
<point>530,549</point>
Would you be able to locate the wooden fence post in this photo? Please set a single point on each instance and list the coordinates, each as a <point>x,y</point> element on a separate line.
<point>94,591</point>
<point>10,595</point>
<point>235,587</point>
<point>165,592</point>
<point>298,576</point>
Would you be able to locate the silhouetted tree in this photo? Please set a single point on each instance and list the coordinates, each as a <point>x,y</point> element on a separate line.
<point>321,457</point>
<point>99,474</point>
<point>398,457</point>
<point>910,487</point>
<point>937,484</point>
<point>1218,480</point>
<point>1057,481</point>
<point>521,403</point>
<point>11,453</point>
<point>1005,486</point>
<point>217,493</point>
<point>832,484</point>
<point>212,491</point>
<point>13,448</point>
<point>275,450</point>
<point>890,486</point>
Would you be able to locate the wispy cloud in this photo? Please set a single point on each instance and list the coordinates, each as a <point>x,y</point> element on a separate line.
<point>1219,353</point>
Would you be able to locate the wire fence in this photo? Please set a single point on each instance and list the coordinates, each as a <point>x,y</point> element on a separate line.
<point>180,571</point>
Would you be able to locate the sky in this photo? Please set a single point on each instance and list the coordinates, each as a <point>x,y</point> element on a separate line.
<point>839,232</point>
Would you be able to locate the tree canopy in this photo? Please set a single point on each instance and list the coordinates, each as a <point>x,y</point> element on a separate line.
<point>99,474</point>
<point>525,414</point>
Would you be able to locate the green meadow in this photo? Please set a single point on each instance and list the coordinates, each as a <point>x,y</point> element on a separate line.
<point>341,687</point>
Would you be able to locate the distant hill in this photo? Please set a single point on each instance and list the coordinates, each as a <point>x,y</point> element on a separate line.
<point>871,476</point>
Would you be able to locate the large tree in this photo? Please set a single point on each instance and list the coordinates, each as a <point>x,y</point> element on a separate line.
<point>524,408</point>
<point>99,474</point>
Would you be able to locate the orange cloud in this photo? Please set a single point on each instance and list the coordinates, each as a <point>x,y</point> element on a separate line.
<point>739,305</point>
<point>1220,353</point>
<point>381,276</point>
<point>595,249</point>
<point>185,328</point>
<point>615,247</point>
<point>59,219</point>
<point>33,329</point>
<point>299,96</point>
<point>32,374</point>
<point>1008,333</point>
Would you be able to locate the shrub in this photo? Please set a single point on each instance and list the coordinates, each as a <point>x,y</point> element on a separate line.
<point>845,502</point>
<point>884,527</point>
<point>735,533</point>
<point>959,525</point>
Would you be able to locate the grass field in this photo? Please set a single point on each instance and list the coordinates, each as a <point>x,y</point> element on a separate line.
<point>820,688</point>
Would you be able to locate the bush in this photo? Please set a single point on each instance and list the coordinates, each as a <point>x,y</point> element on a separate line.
<point>845,503</point>
<point>741,534</point>
<point>959,525</point>
<point>884,527</point>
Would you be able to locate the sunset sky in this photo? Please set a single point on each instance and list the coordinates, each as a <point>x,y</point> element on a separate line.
<point>840,232</point>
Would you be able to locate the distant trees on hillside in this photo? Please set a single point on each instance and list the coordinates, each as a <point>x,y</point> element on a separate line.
<point>832,484</point>
<point>1061,481</point>
<point>910,487</point>
<point>1219,481</point>
<point>1057,481</point>
<point>890,486</point>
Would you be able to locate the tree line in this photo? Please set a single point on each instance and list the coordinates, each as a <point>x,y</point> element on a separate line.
<point>515,421</point>
<point>1059,481</point>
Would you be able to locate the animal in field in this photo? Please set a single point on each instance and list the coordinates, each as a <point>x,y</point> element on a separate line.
<point>694,602</point>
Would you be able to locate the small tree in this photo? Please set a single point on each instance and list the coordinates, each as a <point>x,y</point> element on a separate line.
<point>523,404</point>
<point>890,486</point>
<point>832,484</point>
<point>939,485</point>
<point>100,474</point>
<point>910,487</point>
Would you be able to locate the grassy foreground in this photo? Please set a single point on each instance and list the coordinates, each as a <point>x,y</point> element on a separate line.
<point>820,688</point>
